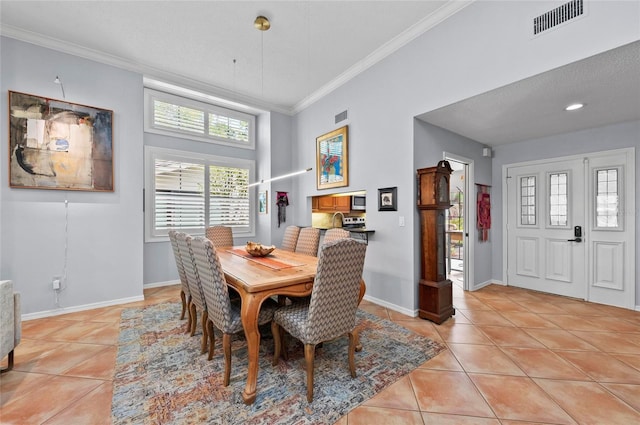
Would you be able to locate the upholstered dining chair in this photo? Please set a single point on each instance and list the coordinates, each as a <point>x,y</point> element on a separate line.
<point>223,314</point>
<point>331,311</point>
<point>185,294</point>
<point>290,238</point>
<point>10,322</point>
<point>335,234</point>
<point>183,241</point>
<point>308,241</point>
<point>220,235</point>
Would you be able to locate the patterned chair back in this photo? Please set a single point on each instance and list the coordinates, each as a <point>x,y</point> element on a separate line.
<point>335,234</point>
<point>179,265</point>
<point>197,295</point>
<point>334,299</point>
<point>220,235</point>
<point>290,238</point>
<point>213,283</point>
<point>308,241</point>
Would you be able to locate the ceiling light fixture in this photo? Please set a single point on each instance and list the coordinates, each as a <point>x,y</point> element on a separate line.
<point>284,176</point>
<point>574,107</point>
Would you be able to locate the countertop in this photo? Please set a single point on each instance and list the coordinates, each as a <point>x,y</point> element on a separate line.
<point>352,230</point>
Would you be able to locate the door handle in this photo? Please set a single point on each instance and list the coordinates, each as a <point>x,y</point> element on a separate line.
<point>575,240</point>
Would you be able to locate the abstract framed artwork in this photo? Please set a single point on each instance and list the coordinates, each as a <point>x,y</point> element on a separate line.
<point>263,202</point>
<point>55,144</point>
<point>332,159</point>
<point>388,199</point>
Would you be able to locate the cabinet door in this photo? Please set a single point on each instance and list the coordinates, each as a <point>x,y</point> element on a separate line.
<point>326,203</point>
<point>342,203</point>
<point>314,203</point>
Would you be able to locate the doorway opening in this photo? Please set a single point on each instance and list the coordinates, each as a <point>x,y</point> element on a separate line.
<point>458,250</point>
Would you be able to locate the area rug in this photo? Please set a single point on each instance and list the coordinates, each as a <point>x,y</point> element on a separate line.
<point>161,377</point>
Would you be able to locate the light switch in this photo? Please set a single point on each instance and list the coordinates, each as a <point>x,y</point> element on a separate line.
<point>401,221</point>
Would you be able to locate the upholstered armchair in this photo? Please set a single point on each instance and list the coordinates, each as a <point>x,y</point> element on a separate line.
<point>222,313</point>
<point>290,238</point>
<point>331,310</point>
<point>10,321</point>
<point>220,235</point>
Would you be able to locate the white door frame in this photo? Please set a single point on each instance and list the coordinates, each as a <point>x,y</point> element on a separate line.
<point>469,219</point>
<point>628,213</point>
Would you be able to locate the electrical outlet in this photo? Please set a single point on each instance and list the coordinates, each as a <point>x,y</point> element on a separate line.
<point>56,283</point>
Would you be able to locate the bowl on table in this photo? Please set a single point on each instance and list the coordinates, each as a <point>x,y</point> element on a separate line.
<point>259,250</point>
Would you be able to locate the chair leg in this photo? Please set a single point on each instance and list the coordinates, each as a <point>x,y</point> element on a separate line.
<point>353,340</point>
<point>212,339</point>
<point>309,355</point>
<point>9,364</point>
<point>183,298</point>
<point>205,318</point>
<point>189,314</point>
<point>194,319</point>
<point>275,330</point>
<point>226,346</point>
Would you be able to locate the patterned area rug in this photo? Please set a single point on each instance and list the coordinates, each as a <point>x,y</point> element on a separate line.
<point>162,378</point>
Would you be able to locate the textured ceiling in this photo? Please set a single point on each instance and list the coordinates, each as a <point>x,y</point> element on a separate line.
<point>310,44</point>
<point>608,84</point>
<point>312,48</point>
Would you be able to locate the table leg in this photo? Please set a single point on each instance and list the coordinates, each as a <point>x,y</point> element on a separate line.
<point>250,309</point>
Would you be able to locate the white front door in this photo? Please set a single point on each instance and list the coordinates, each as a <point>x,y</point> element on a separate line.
<point>545,207</point>
<point>553,203</point>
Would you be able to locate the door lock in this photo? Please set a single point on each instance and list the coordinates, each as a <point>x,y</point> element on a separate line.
<point>577,234</point>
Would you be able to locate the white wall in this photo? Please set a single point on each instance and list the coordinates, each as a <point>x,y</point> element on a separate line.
<point>484,46</point>
<point>617,136</point>
<point>104,229</point>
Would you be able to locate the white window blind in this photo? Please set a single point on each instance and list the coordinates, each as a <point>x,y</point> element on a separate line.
<point>189,192</point>
<point>183,117</point>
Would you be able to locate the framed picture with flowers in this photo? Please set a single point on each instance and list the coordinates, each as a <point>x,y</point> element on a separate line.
<point>332,159</point>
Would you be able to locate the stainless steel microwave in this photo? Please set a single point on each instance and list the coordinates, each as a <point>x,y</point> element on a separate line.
<point>359,202</point>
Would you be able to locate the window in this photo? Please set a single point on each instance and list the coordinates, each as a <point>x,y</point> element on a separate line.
<point>186,118</point>
<point>188,192</point>
<point>528,200</point>
<point>607,198</point>
<point>558,201</point>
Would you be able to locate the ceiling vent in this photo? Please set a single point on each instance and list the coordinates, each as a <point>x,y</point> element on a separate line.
<point>558,16</point>
<point>341,116</point>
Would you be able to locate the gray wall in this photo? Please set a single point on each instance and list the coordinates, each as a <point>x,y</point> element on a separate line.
<point>104,231</point>
<point>484,46</point>
<point>617,136</point>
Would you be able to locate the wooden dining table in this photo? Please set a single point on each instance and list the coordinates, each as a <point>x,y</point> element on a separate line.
<point>258,278</point>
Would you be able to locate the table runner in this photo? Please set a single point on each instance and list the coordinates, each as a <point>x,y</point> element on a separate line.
<point>266,261</point>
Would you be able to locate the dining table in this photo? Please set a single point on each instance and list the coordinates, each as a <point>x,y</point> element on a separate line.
<point>281,273</point>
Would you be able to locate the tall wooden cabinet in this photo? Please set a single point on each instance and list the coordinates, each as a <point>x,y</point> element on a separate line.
<point>435,293</point>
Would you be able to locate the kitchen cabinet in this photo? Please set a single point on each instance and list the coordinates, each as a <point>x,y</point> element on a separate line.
<point>331,204</point>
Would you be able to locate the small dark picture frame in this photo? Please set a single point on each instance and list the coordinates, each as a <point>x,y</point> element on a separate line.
<point>388,199</point>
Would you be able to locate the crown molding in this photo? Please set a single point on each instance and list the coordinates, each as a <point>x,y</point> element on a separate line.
<point>424,25</point>
<point>441,14</point>
<point>146,71</point>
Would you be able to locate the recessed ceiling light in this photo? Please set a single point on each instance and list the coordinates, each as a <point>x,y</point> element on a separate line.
<point>574,107</point>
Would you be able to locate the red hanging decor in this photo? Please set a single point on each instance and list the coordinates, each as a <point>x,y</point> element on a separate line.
<point>484,212</point>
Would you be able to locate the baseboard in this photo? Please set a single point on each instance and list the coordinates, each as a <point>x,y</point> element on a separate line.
<point>160,284</point>
<point>382,303</point>
<point>77,308</point>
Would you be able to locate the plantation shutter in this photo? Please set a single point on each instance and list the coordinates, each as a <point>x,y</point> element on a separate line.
<point>229,196</point>
<point>178,117</point>
<point>179,195</point>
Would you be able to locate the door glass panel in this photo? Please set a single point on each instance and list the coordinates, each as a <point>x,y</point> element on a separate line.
<point>558,199</point>
<point>607,198</point>
<point>528,200</point>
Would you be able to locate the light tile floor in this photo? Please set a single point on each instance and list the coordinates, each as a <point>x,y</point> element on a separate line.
<point>514,357</point>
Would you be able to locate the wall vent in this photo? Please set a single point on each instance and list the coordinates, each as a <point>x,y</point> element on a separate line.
<point>557,16</point>
<point>341,116</point>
